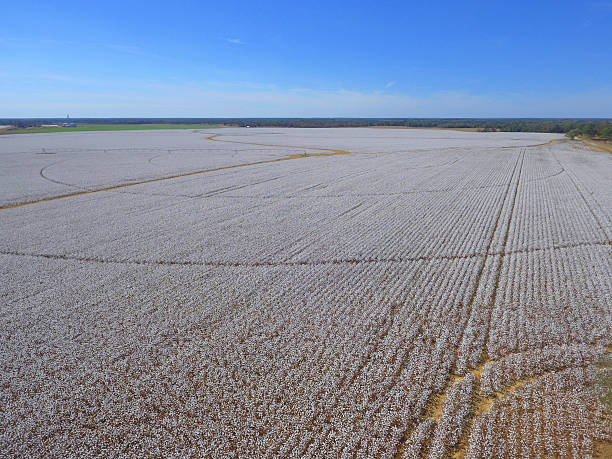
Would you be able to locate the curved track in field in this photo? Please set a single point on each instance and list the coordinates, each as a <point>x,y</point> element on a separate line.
<point>323,152</point>
<point>331,152</point>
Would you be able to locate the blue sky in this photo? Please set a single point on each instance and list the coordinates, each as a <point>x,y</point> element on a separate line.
<point>306,59</point>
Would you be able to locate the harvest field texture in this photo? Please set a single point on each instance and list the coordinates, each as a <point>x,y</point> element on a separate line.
<point>272,292</point>
<point>87,127</point>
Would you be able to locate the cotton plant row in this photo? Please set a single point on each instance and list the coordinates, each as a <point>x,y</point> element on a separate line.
<point>553,213</point>
<point>457,408</point>
<point>315,308</point>
<point>515,367</point>
<point>343,349</point>
<point>405,229</point>
<point>415,369</point>
<point>47,167</point>
<point>519,424</point>
<point>401,228</point>
<point>372,355</point>
<point>556,415</point>
<point>551,297</point>
<point>591,179</point>
<point>405,174</point>
<point>416,445</point>
<point>474,338</point>
<point>537,299</point>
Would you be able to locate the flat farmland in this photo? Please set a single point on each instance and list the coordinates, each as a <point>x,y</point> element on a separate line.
<point>304,293</point>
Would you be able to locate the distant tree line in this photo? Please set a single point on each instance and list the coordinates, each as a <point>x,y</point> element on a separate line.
<point>591,130</point>
<point>597,127</point>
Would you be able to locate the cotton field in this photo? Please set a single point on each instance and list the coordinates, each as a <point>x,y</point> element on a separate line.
<point>351,293</point>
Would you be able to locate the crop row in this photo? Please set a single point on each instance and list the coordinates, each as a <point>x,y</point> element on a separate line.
<point>350,306</point>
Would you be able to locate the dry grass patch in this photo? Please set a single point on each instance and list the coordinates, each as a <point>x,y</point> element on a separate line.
<point>603,146</point>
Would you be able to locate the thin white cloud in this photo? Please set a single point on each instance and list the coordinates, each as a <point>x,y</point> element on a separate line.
<point>134,50</point>
<point>390,84</point>
<point>127,98</point>
<point>53,41</point>
<point>235,41</point>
